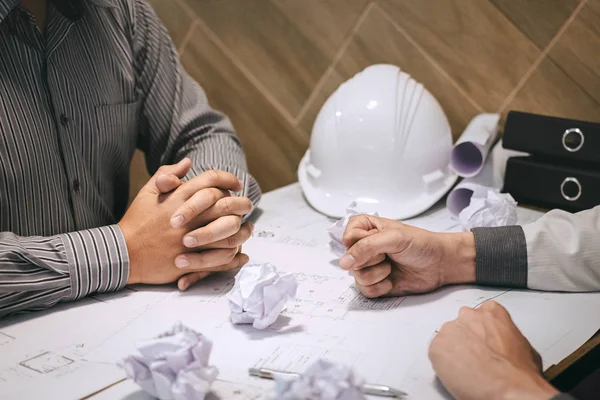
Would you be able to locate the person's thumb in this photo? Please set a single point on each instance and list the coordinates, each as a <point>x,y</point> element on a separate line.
<point>167,178</point>
<point>359,227</point>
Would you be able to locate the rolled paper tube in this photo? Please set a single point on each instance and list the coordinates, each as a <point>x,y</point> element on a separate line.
<point>491,175</point>
<point>460,197</point>
<point>471,149</point>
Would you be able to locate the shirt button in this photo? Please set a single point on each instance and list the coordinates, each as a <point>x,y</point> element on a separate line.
<point>64,120</point>
<point>76,185</point>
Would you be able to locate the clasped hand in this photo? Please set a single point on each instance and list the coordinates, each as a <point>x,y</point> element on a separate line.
<point>183,231</point>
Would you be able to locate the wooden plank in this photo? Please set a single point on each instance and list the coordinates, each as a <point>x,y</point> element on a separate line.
<point>576,51</point>
<point>550,91</point>
<point>472,41</point>
<point>540,20</point>
<point>286,45</point>
<point>273,146</point>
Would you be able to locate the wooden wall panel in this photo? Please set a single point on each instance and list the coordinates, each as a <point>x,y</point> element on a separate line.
<point>477,45</point>
<point>270,64</point>
<point>281,44</point>
<point>539,20</point>
<point>577,51</point>
<point>563,98</point>
<point>272,145</point>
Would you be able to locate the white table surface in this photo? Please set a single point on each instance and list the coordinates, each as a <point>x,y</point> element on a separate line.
<point>71,351</point>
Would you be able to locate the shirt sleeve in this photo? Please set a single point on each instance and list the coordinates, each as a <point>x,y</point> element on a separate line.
<point>38,272</point>
<point>563,396</point>
<point>558,252</point>
<point>177,119</point>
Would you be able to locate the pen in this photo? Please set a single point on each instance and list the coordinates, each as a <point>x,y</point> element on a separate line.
<point>367,388</point>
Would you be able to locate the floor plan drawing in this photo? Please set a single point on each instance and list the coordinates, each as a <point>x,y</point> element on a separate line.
<point>385,340</point>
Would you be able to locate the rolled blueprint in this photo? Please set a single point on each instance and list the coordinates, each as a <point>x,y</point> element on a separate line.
<point>471,150</point>
<point>492,175</point>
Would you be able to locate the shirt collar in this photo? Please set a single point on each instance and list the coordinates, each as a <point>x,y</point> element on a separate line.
<point>72,9</point>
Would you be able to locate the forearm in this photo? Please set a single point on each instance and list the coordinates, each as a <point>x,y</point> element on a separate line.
<point>459,253</point>
<point>38,272</point>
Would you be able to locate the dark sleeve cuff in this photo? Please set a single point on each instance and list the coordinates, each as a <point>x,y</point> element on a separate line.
<point>563,396</point>
<point>501,256</point>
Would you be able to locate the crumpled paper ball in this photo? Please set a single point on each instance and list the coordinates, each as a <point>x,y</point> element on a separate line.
<point>336,231</point>
<point>489,208</point>
<point>323,380</point>
<point>174,366</point>
<point>260,294</point>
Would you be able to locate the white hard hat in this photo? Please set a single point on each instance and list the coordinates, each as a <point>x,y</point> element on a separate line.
<point>382,140</point>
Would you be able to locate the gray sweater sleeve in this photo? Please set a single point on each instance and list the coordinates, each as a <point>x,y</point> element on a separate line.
<point>501,256</point>
<point>559,252</point>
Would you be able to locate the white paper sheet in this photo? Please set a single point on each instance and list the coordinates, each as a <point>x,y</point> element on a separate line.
<point>329,319</point>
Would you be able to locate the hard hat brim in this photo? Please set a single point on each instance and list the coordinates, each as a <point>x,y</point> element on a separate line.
<point>334,204</point>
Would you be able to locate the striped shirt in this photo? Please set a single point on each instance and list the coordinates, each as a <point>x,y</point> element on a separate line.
<point>74,104</point>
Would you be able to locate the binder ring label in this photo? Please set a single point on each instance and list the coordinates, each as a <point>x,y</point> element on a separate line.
<point>573,139</point>
<point>568,184</point>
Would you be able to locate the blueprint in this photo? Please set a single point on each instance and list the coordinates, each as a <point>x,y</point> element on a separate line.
<point>71,352</point>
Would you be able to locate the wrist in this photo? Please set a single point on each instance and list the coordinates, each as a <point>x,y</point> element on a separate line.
<point>133,277</point>
<point>458,261</point>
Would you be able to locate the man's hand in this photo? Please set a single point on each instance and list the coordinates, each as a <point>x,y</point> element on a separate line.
<point>483,355</point>
<point>154,246</point>
<point>390,258</point>
<point>217,214</point>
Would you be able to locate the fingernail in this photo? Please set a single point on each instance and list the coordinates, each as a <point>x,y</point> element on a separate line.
<point>185,285</point>
<point>182,262</point>
<point>245,259</point>
<point>177,221</point>
<point>347,261</point>
<point>189,241</point>
<point>251,225</point>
